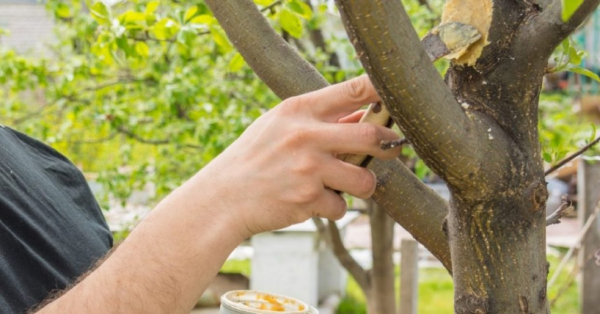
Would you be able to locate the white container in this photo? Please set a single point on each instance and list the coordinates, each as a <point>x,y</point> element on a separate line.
<point>255,302</point>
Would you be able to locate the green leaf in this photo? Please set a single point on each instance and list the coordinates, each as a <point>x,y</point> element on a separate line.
<point>132,20</point>
<point>221,39</point>
<point>190,13</point>
<point>291,23</point>
<point>585,72</point>
<point>569,7</point>
<point>203,19</point>
<point>166,29</point>
<point>100,13</point>
<point>547,157</point>
<point>151,7</point>
<point>236,63</point>
<point>264,3</point>
<point>301,8</point>
<point>593,136</point>
<point>63,11</point>
<point>142,49</point>
<point>575,57</point>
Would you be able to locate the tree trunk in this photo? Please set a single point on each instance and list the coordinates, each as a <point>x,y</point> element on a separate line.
<point>477,131</point>
<point>382,297</point>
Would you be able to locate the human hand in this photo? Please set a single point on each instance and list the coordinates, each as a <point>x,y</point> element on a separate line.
<point>283,169</point>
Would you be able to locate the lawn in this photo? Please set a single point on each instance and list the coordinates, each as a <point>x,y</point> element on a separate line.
<point>436,290</point>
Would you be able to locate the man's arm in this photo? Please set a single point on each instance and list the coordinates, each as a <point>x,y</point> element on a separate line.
<point>281,171</point>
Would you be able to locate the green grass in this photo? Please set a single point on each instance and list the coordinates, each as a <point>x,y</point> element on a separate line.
<point>436,290</point>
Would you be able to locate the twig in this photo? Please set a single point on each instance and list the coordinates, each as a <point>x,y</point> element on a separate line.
<point>597,257</point>
<point>393,144</point>
<point>570,158</point>
<point>331,235</point>
<point>572,275</point>
<point>577,245</point>
<point>140,139</point>
<point>565,208</point>
<point>271,6</point>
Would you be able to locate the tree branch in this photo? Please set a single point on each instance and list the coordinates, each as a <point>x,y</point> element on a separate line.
<point>416,207</point>
<point>547,30</point>
<point>564,209</point>
<point>331,235</point>
<point>130,134</point>
<point>273,59</point>
<point>423,211</point>
<point>418,99</point>
<point>570,158</point>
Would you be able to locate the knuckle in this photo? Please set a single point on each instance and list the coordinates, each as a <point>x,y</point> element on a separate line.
<point>368,132</point>
<point>356,88</point>
<point>299,135</point>
<point>305,167</point>
<point>366,184</point>
<point>289,107</point>
<point>339,210</point>
<point>306,195</point>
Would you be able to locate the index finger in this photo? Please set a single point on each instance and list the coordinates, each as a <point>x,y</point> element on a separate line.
<point>340,100</point>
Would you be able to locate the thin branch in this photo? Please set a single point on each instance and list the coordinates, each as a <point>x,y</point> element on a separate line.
<point>331,235</point>
<point>167,40</point>
<point>547,30</point>
<point>361,276</point>
<point>273,59</point>
<point>415,94</point>
<point>569,281</point>
<point>271,6</point>
<point>564,209</point>
<point>415,206</point>
<point>393,144</point>
<point>575,155</point>
<point>140,139</point>
<point>287,74</point>
<point>580,237</point>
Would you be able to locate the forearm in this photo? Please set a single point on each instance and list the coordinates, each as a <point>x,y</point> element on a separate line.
<point>166,262</point>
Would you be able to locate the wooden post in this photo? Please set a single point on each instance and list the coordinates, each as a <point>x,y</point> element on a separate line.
<point>409,276</point>
<point>589,193</point>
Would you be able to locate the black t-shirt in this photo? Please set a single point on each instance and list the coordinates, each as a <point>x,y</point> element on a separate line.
<point>51,227</point>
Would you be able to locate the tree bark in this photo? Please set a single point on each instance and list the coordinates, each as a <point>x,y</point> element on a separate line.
<point>478,131</point>
<point>383,297</point>
<point>486,148</point>
<point>247,29</point>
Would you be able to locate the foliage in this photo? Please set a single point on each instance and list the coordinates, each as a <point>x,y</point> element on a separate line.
<point>568,57</point>
<point>562,130</point>
<point>146,91</point>
<point>569,8</point>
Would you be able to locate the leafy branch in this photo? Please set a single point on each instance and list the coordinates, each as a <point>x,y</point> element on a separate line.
<point>573,156</point>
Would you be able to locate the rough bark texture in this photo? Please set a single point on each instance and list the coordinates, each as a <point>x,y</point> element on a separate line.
<point>479,133</point>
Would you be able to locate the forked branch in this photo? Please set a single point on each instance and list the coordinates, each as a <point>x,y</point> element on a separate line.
<point>547,30</point>
<point>418,99</point>
<point>287,74</point>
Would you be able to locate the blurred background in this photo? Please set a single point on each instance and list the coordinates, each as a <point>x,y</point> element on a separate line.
<point>142,94</point>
